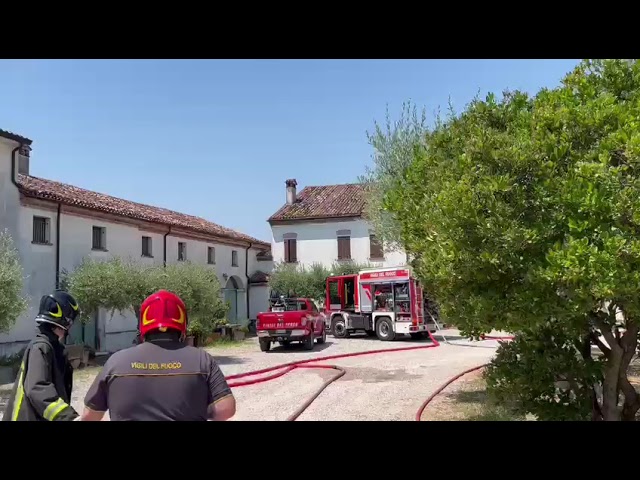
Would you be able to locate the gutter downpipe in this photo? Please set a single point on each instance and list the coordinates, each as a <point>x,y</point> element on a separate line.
<point>14,181</point>
<point>246,274</point>
<point>165,247</point>
<point>58,251</point>
<point>13,165</point>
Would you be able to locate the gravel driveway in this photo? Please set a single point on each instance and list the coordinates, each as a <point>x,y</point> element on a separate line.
<point>376,387</point>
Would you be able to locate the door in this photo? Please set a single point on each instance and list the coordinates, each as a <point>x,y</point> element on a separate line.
<point>349,293</point>
<point>334,302</point>
<point>231,297</point>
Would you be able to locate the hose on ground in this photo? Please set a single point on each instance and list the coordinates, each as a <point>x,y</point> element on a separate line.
<point>442,387</point>
<point>290,366</point>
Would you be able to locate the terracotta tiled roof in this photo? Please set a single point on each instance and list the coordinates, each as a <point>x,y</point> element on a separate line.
<point>15,137</point>
<point>328,201</point>
<point>69,195</point>
<point>259,277</point>
<point>264,256</point>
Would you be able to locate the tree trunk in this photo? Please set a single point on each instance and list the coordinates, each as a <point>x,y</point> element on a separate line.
<point>610,386</point>
<point>596,412</point>
<point>629,344</point>
<point>619,355</point>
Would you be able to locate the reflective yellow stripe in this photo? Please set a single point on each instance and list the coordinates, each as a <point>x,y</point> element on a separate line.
<point>52,411</point>
<point>19,395</point>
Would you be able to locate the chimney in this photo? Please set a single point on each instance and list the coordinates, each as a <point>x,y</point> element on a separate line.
<point>291,191</point>
<point>23,160</point>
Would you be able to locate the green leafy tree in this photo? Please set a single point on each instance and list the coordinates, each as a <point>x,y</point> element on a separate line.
<point>12,302</point>
<point>122,285</point>
<point>308,282</point>
<point>294,280</point>
<point>523,214</point>
<point>199,288</point>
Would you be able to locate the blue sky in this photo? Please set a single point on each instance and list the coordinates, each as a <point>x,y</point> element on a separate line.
<point>218,138</point>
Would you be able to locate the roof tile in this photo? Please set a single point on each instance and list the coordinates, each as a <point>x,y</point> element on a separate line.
<point>328,201</point>
<point>69,195</point>
<point>15,137</point>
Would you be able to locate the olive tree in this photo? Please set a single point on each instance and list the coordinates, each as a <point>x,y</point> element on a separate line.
<point>309,282</point>
<point>12,301</point>
<point>522,213</point>
<point>393,146</point>
<point>122,285</point>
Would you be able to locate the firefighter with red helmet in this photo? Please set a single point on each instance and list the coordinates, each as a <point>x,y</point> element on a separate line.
<point>162,378</point>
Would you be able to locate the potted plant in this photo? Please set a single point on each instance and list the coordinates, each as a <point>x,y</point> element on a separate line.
<point>240,333</point>
<point>9,367</point>
<point>201,328</point>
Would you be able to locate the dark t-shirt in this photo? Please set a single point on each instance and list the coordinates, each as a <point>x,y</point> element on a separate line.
<point>160,380</point>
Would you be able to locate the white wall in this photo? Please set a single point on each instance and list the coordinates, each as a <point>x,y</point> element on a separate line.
<point>118,330</point>
<point>317,243</point>
<point>9,215</point>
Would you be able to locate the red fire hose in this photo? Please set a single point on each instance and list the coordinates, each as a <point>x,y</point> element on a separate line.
<point>288,367</point>
<point>442,387</point>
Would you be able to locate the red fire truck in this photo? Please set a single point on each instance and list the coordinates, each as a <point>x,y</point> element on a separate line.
<point>383,302</point>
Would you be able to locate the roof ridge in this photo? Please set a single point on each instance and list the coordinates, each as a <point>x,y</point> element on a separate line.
<point>324,201</point>
<point>159,211</point>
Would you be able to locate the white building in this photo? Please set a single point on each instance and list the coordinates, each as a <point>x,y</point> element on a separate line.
<point>325,224</point>
<point>55,226</point>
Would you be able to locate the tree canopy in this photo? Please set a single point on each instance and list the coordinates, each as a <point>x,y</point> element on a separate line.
<point>121,285</point>
<point>12,301</point>
<point>522,213</point>
<point>308,282</point>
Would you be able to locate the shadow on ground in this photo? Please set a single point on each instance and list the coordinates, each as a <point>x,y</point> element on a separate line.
<point>299,347</point>
<point>228,360</point>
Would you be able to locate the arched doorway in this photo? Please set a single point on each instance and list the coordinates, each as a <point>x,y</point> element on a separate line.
<point>234,296</point>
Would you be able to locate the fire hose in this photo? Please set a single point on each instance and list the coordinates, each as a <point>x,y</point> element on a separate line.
<point>285,368</point>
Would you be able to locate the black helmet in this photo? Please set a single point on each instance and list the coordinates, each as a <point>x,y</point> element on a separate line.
<point>59,309</point>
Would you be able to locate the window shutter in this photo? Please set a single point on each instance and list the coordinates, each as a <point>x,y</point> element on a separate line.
<point>344,248</point>
<point>293,251</point>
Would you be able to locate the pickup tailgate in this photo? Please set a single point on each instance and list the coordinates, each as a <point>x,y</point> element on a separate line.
<point>281,321</point>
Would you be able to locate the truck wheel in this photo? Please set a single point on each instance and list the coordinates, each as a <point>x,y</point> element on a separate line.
<point>308,342</point>
<point>384,330</point>
<point>339,327</point>
<point>323,338</point>
<point>265,345</point>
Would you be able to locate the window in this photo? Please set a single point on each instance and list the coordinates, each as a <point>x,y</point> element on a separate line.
<point>146,247</point>
<point>375,247</point>
<point>41,232</point>
<point>344,248</point>
<point>234,258</point>
<point>290,247</point>
<point>211,256</point>
<point>314,309</point>
<point>99,238</point>
<point>290,250</point>
<point>182,251</point>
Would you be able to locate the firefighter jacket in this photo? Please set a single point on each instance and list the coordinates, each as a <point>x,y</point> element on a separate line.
<point>42,391</point>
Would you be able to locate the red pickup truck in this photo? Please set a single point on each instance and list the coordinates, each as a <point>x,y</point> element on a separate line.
<point>290,320</point>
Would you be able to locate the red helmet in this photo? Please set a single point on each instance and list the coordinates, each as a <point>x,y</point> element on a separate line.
<point>163,310</point>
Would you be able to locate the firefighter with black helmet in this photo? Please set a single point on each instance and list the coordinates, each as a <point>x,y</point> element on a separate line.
<point>42,391</point>
<point>161,378</point>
